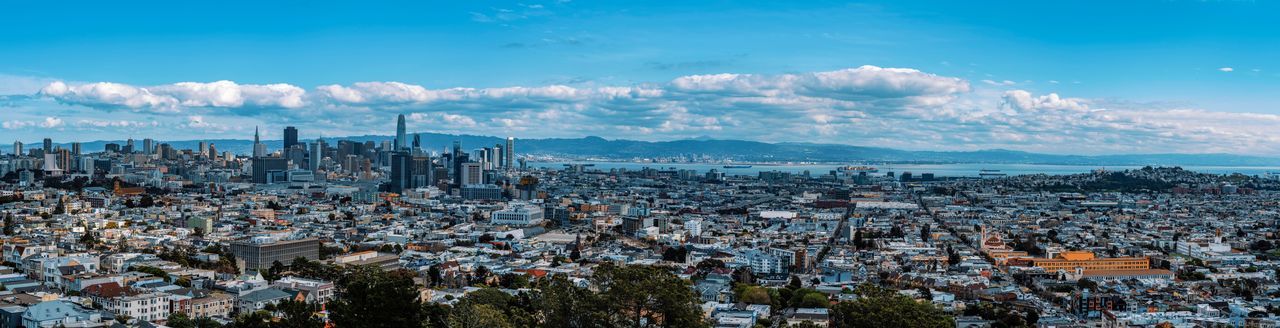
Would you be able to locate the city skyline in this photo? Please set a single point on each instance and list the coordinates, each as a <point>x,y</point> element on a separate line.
<point>903,76</point>
<point>690,164</point>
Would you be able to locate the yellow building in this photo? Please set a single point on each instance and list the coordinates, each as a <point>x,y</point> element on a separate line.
<point>1071,260</point>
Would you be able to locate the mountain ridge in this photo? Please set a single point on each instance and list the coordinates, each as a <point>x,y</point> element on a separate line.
<point>596,147</point>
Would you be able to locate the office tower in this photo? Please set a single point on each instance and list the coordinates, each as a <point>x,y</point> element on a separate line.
<point>369,151</point>
<point>111,147</point>
<point>146,146</point>
<point>400,136</point>
<point>423,171</point>
<point>51,165</point>
<point>129,147</point>
<point>259,149</point>
<point>401,172</point>
<point>479,155</point>
<point>313,158</point>
<point>457,168</point>
<point>269,169</point>
<point>85,164</point>
<point>500,159</point>
<point>511,152</point>
<point>165,151</point>
<point>204,149</point>
<point>297,156</point>
<point>290,137</point>
<point>261,254</point>
<point>417,141</point>
<point>213,151</point>
<point>64,159</point>
<point>17,148</point>
<point>472,174</point>
<point>491,158</point>
<point>75,149</point>
<point>48,146</point>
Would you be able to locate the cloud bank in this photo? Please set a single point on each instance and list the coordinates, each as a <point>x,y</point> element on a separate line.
<point>868,105</point>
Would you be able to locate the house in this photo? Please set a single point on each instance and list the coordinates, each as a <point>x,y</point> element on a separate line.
<point>313,291</point>
<point>142,307</point>
<point>129,302</point>
<point>201,303</point>
<point>64,314</point>
<point>817,316</point>
<point>258,299</point>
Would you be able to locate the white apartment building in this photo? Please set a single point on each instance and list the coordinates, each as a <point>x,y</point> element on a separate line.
<point>517,215</point>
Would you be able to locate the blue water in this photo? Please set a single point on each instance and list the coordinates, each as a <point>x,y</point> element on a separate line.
<point>941,170</point>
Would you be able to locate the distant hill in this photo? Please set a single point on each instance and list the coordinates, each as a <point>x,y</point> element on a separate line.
<point>741,150</point>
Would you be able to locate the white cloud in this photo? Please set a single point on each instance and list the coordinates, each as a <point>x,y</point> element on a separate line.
<point>107,94</point>
<point>228,94</point>
<point>51,122</point>
<point>15,124</point>
<point>47,122</point>
<point>1022,100</point>
<point>868,105</point>
<point>114,123</point>
<point>173,97</point>
<point>1227,69</point>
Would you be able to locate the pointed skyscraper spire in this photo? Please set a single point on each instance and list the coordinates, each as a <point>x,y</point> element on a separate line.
<point>259,149</point>
<point>400,135</point>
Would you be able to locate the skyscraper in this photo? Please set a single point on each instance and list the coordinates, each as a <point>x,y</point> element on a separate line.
<point>17,148</point>
<point>500,158</point>
<point>48,146</point>
<point>290,137</point>
<point>400,136</point>
<point>401,172</point>
<point>269,169</point>
<point>511,152</point>
<point>259,149</point>
<point>314,156</point>
<point>472,174</point>
<point>147,146</point>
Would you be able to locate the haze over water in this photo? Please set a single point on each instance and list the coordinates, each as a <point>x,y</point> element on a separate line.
<point>940,170</point>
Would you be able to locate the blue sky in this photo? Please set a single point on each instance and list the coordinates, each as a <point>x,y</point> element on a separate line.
<point>1050,76</point>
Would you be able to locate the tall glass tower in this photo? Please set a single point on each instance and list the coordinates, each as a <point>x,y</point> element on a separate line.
<point>400,135</point>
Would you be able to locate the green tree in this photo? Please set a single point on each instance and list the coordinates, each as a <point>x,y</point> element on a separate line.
<point>1087,284</point>
<point>8,224</point>
<point>179,320</point>
<point>755,295</point>
<point>374,298</point>
<point>647,296</point>
<point>88,238</point>
<point>295,314</point>
<point>435,315</point>
<point>273,273</point>
<point>513,280</point>
<point>564,304</point>
<point>255,319</point>
<point>472,315</point>
<point>489,296</point>
<point>878,307</point>
<point>433,273</point>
